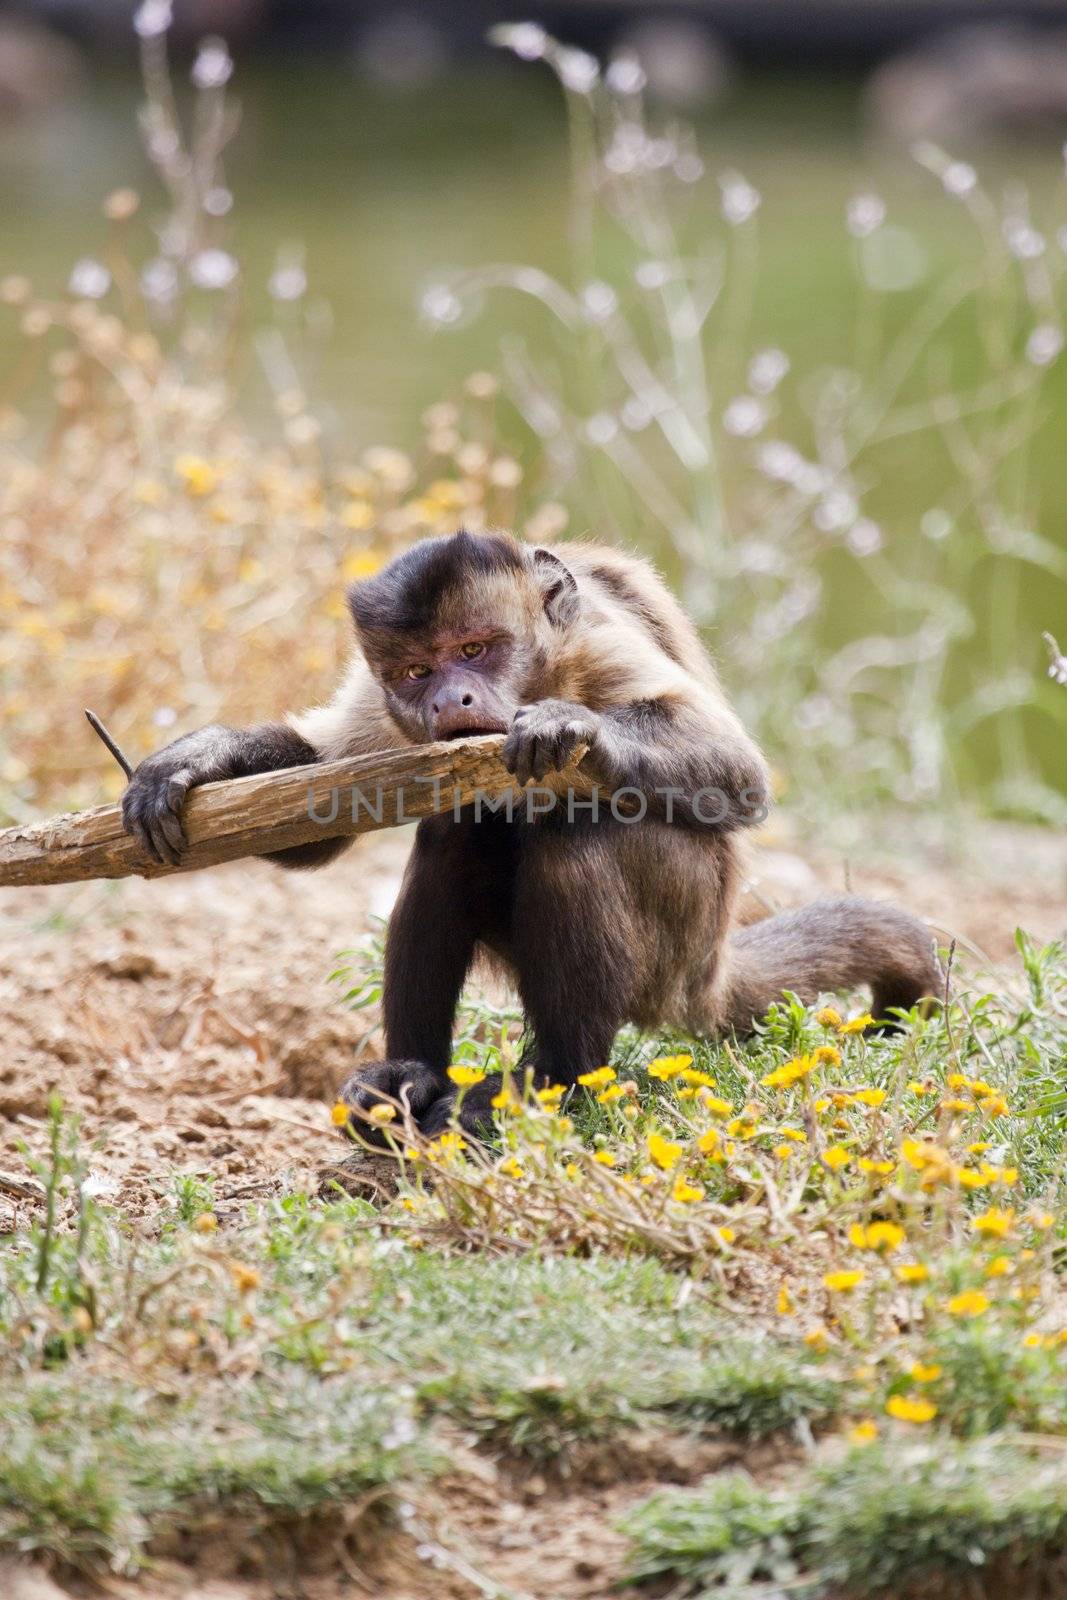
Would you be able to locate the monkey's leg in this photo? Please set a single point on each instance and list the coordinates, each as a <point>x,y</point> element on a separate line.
<point>457,880</point>
<point>573,946</point>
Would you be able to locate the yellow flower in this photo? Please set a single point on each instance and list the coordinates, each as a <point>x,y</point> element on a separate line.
<point>844,1282</point>
<point>911,1272</point>
<point>245,1278</point>
<point>710,1144</point>
<point>857,1024</point>
<point>382,1112</point>
<point>613,1092</point>
<point>827,1055</point>
<point>952,1104</point>
<point>881,1236</point>
<point>816,1338</point>
<point>789,1072</point>
<point>199,476</point>
<point>970,1303</point>
<point>980,1148</point>
<point>686,1193</point>
<point>727,1235</point>
<point>1043,1220</point>
<point>782,1152</point>
<point>995,1223</point>
<point>597,1079</point>
<point>920,1372</point>
<point>206,1222</point>
<point>999,1267</point>
<point>340,1114</point>
<point>784,1304</point>
<point>836,1157</point>
<point>715,1107</point>
<point>881,1168</point>
<point>869,1097</point>
<point>604,1157</point>
<point>668,1066</point>
<point>504,1100</point>
<point>663,1151</point>
<point>572,1169</point>
<point>828,1017</point>
<point>796,1134</point>
<point>552,1095</point>
<point>697,1080</point>
<point>466,1077</point>
<point>994,1105</point>
<point>863,1432</point>
<point>907,1410</point>
<point>1033,1341</point>
<point>446,1144</point>
<point>512,1167</point>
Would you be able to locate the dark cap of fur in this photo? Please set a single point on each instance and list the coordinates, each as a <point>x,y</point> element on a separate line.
<point>405,597</point>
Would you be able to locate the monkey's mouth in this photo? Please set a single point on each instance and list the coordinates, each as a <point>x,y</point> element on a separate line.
<point>476,730</point>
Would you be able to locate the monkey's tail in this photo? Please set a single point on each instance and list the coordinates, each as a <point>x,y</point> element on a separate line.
<point>831,944</point>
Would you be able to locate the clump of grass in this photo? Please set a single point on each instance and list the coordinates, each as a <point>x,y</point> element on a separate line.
<point>984,1516</point>
<point>93,1468</point>
<point>894,1202</point>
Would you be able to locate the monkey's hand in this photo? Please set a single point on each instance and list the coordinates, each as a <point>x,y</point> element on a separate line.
<point>426,1094</point>
<point>152,804</point>
<point>543,737</point>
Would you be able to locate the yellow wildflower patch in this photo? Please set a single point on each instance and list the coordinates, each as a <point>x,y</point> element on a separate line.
<point>863,1432</point>
<point>969,1303</point>
<point>995,1223</point>
<point>598,1078</point>
<point>911,1272</point>
<point>906,1409</point>
<point>664,1152</point>
<point>857,1024</point>
<point>340,1114</point>
<point>884,1237</point>
<point>669,1066</point>
<point>789,1072</point>
<point>466,1077</point>
<point>686,1193</point>
<point>836,1157</point>
<point>924,1372</point>
<point>844,1282</point>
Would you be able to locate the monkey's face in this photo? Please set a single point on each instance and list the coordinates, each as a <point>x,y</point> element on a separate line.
<point>455,631</point>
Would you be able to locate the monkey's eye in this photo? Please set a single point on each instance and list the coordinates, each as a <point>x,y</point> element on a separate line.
<point>417,672</point>
<point>472,650</point>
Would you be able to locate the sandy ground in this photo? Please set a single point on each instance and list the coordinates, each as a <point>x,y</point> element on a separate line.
<point>191,1024</point>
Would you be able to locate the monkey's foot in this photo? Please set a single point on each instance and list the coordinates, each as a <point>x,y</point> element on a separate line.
<point>425,1094</point>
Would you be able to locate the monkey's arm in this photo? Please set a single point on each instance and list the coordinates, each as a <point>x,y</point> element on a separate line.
<point>351,724</point>
<point>690,758</point>
<point>152,804</point>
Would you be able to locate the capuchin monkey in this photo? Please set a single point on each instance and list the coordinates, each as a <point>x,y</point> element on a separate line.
<point>628,915</point>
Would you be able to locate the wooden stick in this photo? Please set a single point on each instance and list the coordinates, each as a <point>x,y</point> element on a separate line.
<point>271,811</point>
<point>107,741</point>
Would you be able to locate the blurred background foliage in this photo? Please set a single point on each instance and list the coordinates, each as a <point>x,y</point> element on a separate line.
<point>773,293</point>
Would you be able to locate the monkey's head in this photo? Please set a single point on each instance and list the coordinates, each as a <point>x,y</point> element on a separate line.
<point>458,631</point>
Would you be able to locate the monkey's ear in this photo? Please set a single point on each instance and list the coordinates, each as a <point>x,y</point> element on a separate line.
<point>559,592</point>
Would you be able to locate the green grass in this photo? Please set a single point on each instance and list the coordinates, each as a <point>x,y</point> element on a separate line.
<point>981,1518</point>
